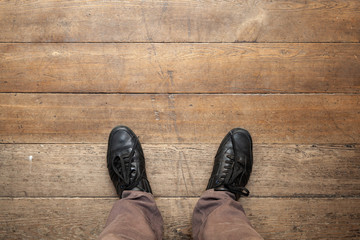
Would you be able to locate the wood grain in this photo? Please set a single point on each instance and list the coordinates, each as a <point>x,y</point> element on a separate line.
<point>62,170</point>
<point>273,218</point>
<point>88,118</point>
<point>180,68</point>
<point>180,21</point>
<point>181,74</point>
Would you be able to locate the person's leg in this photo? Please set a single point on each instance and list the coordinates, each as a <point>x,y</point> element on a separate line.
<point>218,215</point>
<point>135,215</point>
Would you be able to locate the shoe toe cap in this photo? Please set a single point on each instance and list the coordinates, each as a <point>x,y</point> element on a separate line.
<point>121,138</point>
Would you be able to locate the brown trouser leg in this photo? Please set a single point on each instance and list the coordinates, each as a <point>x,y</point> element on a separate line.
<point>135,216</point>
<point>218,216</point>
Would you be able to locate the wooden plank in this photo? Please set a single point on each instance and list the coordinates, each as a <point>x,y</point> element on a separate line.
<point>273,218</point>
<point>62,170</point>
<point>180,21</point>
<point>88,118</point>
<point>177,68</point>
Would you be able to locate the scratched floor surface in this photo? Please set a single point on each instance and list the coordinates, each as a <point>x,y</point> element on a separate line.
<point>181,74</point>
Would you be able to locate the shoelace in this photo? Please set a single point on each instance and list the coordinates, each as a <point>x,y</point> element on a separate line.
<point>122,168</point>
<point>229,179</point>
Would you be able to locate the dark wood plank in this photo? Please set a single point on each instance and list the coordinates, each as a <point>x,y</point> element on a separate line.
<point>272,218</point>
<point>180,21</point>
<point>88,118</point>
<point>55,170</point>
<point>177,68</point>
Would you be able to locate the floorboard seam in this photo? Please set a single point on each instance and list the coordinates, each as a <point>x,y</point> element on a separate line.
<point>179,197</point>
<point>191,93</point>
<point>187,42</point>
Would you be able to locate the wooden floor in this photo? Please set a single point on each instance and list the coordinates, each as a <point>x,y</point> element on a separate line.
<point>181,74</point>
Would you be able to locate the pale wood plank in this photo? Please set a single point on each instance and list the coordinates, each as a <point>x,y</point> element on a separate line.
<point>190,68</point>
<point>180,21</point>
<point>272,218</point>
<point>88,118</point>
<point>178,170</point>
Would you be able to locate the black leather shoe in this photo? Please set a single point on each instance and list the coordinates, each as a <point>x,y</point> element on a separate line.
<point>233,163</point>
<point>126,162</point>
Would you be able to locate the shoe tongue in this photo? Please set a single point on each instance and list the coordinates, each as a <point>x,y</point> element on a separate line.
<point>221,188</point>
<point>122,165</point>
